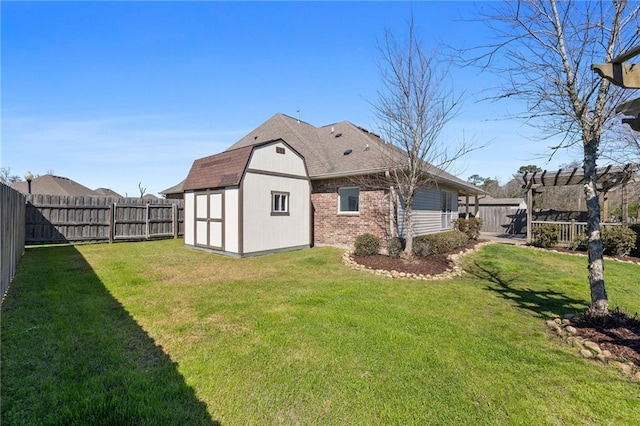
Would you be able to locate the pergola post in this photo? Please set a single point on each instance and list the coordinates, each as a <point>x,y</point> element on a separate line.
<point>529,213</point>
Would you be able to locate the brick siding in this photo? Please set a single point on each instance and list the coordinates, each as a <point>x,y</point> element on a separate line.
<point>330,227</point>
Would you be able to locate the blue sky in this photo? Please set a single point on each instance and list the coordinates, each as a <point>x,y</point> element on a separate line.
<point>111,94</point>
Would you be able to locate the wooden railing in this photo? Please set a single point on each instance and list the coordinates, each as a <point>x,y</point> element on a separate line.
<point>570,231</point>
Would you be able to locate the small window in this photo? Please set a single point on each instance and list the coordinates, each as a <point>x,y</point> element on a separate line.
<point>349,200</point>
<point>279,203</point>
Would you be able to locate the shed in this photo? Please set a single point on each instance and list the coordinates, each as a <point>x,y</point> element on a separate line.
<point>249,201</point>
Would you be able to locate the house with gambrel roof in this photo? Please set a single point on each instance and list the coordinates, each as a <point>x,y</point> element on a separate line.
<point>340,158</point>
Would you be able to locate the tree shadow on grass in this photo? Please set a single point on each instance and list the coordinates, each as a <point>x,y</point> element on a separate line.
<point>72,354</point>
<point>543,304</point>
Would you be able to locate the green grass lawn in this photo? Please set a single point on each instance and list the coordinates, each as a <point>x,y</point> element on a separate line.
<point>154,333</point>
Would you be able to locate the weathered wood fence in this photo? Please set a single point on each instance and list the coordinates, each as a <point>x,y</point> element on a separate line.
<point>58,219</point>
<point>12,233</point>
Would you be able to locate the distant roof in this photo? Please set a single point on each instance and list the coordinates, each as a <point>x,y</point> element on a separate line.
<point>53,185</point>
<point>107,192</point>
<point>175,189</point>
<point>339,149</point>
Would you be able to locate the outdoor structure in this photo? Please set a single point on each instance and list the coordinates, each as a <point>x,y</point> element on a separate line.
<point>608,178</point>
<point>499,215</point>
<point>248,201</point>
<point>347,196</point>
<point>624,75</point>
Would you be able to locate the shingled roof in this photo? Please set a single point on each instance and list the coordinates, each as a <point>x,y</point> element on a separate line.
<point>53,185</point>
<point>338,149</point>
<point>218,171</point>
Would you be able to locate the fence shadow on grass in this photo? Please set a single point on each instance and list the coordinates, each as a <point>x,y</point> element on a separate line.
<point>543,304</point>
<point>72,354</point>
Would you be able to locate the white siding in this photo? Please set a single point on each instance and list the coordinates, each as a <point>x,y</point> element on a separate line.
<point>189,201</point>
<point>267,159</point>
<point>427,215</point>
<point>231,220</point>
<point>261,230</point>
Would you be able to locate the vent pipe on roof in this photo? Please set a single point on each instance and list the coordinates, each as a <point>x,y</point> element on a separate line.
<point>298,111</point>
<point>366,148</point>
<point>332,129</point>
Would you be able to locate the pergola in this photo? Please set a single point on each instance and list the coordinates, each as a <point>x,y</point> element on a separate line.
<point>608,178</point>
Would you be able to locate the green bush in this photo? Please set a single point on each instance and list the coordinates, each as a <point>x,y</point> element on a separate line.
<point>367,245</point>
<point>395,246</point>
<point>471,226</point>
<point>581,242</point>
<point>635,227</point>
<point>546,235</point>
<point>618,241</point>
<point>443,242</point>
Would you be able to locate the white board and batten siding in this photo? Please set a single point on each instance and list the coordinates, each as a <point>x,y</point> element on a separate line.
<point>427,211</point>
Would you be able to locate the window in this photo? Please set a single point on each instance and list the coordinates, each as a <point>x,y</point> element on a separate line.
<point>279,203</point>
<point>348,200</point>
<point>446,202</point>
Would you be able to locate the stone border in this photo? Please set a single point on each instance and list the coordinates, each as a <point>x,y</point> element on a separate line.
<point>455,271</point>
<point>578,253</point>
<point>588,349</point>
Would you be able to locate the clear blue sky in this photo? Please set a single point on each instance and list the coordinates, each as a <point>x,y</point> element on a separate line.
<point>115,93</point>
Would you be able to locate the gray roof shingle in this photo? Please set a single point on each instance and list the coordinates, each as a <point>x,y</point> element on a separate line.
<point>338,149</point>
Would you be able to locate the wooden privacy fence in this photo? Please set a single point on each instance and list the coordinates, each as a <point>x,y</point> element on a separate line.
<point>56,219</point>
<point>12,233</point>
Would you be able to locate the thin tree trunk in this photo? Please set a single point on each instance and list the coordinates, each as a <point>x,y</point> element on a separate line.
<point>408,234</point>
<point>599,302</point>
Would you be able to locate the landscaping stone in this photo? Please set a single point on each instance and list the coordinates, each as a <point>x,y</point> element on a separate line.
<point>586,353</point>
<point>571,330</point>
<point>593,346</point>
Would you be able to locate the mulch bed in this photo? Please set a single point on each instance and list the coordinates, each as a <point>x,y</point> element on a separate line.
<point>432,265</point>
<point>619,333</point>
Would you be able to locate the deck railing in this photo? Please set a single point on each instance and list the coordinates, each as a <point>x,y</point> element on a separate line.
<point>571,231</point>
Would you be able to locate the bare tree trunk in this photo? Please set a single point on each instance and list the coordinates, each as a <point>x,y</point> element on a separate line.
<point>408,231</point>
<point>599,302</point>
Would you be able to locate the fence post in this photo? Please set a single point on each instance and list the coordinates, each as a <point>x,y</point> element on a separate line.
<point>112,231</point>
<point>176,223</point>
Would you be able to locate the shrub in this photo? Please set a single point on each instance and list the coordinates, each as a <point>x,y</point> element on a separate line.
<point>635,227</point>
<point>443,242</point>
<point>395,246</point>
<point>618,241</point>
<point>367,245</point>
<point>581,242</point>
<point>546,235</point>
<point>470,226</point>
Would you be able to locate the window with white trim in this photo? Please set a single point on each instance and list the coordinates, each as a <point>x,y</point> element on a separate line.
<point>279,203</point>
<point>349,200</point>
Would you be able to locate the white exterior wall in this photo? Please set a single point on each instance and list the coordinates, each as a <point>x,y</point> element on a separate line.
<point>231,223</point>
<point>189,214</point>
<point>261,230</point>
<point>267,159</point>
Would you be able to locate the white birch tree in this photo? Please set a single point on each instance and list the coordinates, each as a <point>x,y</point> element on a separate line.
<point>543,53</point>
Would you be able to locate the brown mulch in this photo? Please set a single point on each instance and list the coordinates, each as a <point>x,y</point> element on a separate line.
<point>431,265</point>
<point>619,333</point>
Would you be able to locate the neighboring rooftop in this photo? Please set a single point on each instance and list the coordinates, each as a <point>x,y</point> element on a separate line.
<point>106,192</point>
<point>53,185</point>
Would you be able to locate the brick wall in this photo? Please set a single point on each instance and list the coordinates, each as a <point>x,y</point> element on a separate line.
<point>330,227</point>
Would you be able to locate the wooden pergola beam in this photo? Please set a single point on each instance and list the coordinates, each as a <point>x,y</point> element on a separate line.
<point>623,75</point>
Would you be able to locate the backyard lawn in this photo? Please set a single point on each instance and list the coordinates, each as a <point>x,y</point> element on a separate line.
<point>154,333</point>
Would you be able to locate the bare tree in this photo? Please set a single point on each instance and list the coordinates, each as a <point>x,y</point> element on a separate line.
<point>546,50</point>
<point>412,108</point>
<point>6,177</point>
<point>142,190</point>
